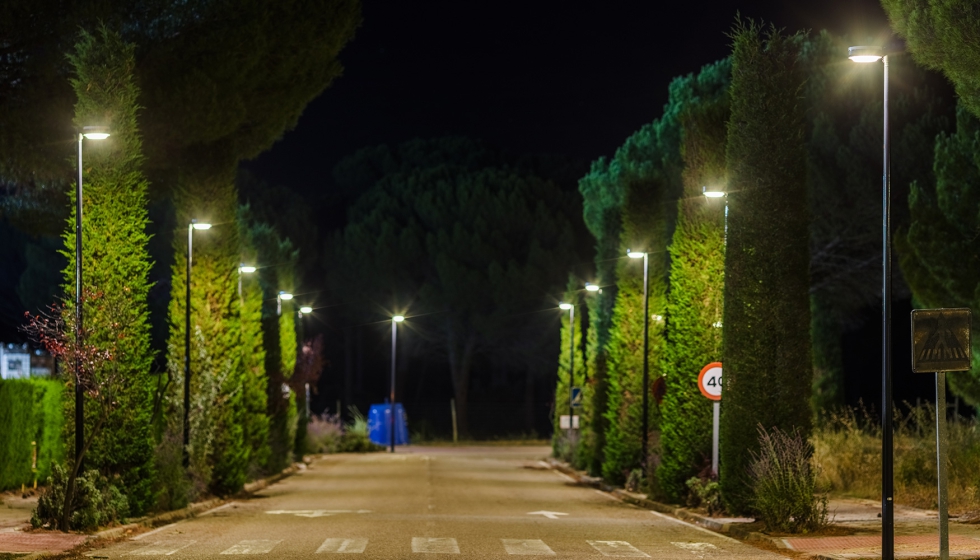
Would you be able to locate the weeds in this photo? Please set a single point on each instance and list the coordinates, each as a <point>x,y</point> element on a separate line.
<point>784,482</point>
<point>704,493</point>
<point>326,434</point>
<point>848,449</point>
<point>97,502</point>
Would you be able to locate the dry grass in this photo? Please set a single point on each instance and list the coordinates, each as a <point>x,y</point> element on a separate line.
<point>848,452</point>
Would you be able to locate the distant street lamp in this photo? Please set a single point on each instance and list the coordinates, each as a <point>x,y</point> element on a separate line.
<point>714,192</point>
<point>281,297</point>
<point>592,287</point>
<point>306,310</point>
<point>391,409</point>
<point>243,269</point>
<point>571,365</point>
<point>646,341</point>
<point>200,226</point>
<point>865,54</point>
<point>92,133</point>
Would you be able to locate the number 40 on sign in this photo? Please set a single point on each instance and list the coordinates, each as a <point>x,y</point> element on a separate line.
<point>709,382</point>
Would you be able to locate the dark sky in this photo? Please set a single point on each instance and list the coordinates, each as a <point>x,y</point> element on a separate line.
<point>535,76</point>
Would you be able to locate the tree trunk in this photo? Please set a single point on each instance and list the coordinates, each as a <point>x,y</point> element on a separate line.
<point>460,360</point>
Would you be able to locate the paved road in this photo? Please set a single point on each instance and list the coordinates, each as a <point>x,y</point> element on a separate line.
<point>470,502</point>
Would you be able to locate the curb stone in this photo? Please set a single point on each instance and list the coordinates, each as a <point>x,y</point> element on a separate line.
<point>731,529</point>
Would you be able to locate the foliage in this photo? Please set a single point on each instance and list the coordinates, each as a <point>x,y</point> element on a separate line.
<point>938,253</point>
<point>30,411</point>
<point>784,483</point>
<point>432,237</point>
<point>697,279</point>
<point>844,188</point>
<point>323,433</point>
<point>847,447</point>
<point>940,36</point>
<point>704,493</point>
<point>115,262</point>
<point>309,366</point>
<point>578,449</point>
<point>98,502</point>
<point>766,321</point>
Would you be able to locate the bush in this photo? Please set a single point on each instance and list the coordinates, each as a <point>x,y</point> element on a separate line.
<point>323,433</point>
<point>98,502</point>
<point>784,483</point>
<point>355,438</point>
<point>30,411</point>
<point>704,493</point>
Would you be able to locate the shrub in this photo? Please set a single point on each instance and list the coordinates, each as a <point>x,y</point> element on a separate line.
<point>323,433</point>
<point>784,483</point>
<point>98,502</point>
<point>355,438</point>
<point>704,493</point>
<point>30,411</point>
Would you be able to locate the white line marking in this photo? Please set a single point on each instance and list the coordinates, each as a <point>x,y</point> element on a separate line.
<point>618,549</point>
<point>697,548</point>
<point>606,495</point>
<point>212,510</point>
<point>435,545</point>
<point>548,514</point>
<point>157,530</point>
<point>693,526</point>
<point>564,476</point>
<point>527,547</point>
<point>346,546</point>
<point>160,548</point>
<point>260,546</point>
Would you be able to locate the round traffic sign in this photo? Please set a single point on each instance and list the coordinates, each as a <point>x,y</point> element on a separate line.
<point>709,381</point>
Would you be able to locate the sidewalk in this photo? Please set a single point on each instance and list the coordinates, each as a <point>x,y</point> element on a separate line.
<point>916,530</point>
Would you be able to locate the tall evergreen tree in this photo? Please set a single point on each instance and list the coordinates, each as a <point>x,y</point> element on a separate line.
<point>115,262</point>
<point>938,253</point>
<point>697,260</point>
<point>579,448</point>
<point>767,312</point>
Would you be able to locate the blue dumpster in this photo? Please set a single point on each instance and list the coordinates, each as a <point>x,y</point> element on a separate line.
<point>379,422</point>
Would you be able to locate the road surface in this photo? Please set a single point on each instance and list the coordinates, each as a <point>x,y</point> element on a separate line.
<point>468,503</point>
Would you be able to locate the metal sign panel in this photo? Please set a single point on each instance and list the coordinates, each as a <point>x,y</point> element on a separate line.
<point>576,397</point>
<point>940,340</point>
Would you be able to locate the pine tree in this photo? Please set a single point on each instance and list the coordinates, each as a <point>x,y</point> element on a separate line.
<point>766,322</point>
<point>115,262</point>
<point>697,259</point>
<point>938,253</point>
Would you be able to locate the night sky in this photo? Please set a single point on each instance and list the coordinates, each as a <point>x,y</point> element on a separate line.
<point>531,77</point>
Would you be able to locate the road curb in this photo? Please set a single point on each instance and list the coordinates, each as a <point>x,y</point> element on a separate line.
<point>730,529</point>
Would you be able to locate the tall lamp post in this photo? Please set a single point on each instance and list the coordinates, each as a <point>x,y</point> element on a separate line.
<point>866,54</point>
<point>92,133</point>
<point>646,359</point>
<point>281,297</point>
<point>571,365</point>
<point>391,416</point>
<point>243,269</point>
<point>194,225</point>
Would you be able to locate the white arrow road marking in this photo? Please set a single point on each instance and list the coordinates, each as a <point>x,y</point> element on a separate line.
<point>252,547</point>
<point>160,548</point>
<point>435,545</point>
<point>343,546</point>
<point>527,547</point>
<point>548,514</point>
<point>618,549</point>
<point>315,512</point>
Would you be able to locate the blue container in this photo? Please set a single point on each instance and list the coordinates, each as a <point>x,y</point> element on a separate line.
<point>379,422</point>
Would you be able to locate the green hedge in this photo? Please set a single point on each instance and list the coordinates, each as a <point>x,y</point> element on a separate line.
<point>30,411</point>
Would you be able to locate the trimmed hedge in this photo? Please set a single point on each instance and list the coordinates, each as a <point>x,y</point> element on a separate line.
<point>30,411</point>
<point>768,367</point>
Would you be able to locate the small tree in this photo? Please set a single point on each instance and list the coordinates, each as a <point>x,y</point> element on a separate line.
<point>91,367</point>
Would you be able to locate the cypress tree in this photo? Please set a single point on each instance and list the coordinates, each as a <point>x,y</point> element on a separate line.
<point>767,314</point>
<point>255,383</point>
<point>938,252</point>
<point>579,449</point>
<point>115,262</point>
<point>694,307</point>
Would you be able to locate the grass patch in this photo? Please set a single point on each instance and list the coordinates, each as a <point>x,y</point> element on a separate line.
<point>847,447</point>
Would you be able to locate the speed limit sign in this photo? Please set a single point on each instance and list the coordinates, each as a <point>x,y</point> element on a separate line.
<point>709,381</point>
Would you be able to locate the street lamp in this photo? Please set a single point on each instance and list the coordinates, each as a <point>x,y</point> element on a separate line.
<point>306,310</point>
<point>243,269</point>
<point>714,192</point>
<point>200,226</point>
<point>391,409</point>
<point>591,287</point>
<point>281,297</point>
<point>646,341</point>
<point>92,133</point>
<point>866,54</point>
<point>571,365</point>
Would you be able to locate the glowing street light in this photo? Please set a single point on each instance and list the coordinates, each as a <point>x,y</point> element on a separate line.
<point>281,297</point>
<point>92,133</point>
<point>243,269</point>
<point>646,359</point>
<point>391,409</point>
<point>200,226</point>
<point>591,287</point>
<point>865,55</point>
<point>306,309</point>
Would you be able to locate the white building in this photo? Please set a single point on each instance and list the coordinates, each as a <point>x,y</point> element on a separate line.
<point>18,361</point>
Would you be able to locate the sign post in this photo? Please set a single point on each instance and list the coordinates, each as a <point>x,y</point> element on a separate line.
<point>709,383</point>
<point>941,342</point>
